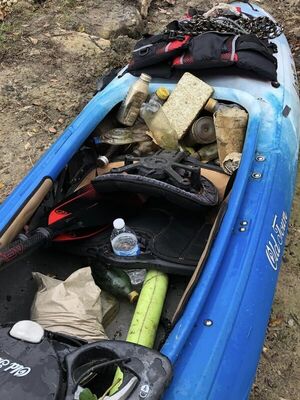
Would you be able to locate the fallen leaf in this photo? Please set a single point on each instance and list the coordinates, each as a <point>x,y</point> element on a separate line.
<point>162,11</point>
<point>52,130</point>
<point>2,15</point>
<point>275,322</point>
<point>1,185</point>
<point>60,121</point>
<point>33,40</point>
<point>27,146</point>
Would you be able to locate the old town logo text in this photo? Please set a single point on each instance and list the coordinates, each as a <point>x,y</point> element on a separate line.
<point>274,247</point>
<point>13,368</point>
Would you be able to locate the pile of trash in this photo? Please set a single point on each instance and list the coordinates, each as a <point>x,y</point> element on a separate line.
<point>187,119</point>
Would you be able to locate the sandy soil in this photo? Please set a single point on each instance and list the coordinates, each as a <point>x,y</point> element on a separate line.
<point>51,54</point>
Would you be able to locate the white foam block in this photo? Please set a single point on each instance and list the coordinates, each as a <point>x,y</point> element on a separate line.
<point>186,101</point>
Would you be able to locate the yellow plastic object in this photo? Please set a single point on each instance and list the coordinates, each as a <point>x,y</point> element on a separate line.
<point>148,310</point>
<point>147,314</point>
<point>211,105</point>
<point>133,296</point>
<point>162,93</point>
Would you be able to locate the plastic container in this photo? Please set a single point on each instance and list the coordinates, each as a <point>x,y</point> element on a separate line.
<point>155,102</point>
<point>230,122</point>
<point>123,240</point>
<point>130,107</point>
<point>137,276</point>
<point>161,130</point>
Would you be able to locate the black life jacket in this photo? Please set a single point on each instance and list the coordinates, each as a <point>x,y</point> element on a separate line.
<point>164,54</point>
<point>211,50</point>
<point>154,49</point>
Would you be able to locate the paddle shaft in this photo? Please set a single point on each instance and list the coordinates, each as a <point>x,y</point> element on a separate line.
<point>92,216</point>
<point>24,245</point>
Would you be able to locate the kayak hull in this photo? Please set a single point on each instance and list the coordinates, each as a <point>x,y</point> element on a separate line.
<point>215,345</point>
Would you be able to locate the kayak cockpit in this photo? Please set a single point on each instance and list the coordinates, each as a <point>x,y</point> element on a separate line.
<point>173,201</point>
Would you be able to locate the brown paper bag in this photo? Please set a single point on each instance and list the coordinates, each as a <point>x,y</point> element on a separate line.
<point>72,307</point>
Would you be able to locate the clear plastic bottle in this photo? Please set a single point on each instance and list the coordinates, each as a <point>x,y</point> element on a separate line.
<point>155,102</point>
<point>130,107</point>
<point>163,134</point>
<point>137,276</point>
<point>123,240</point>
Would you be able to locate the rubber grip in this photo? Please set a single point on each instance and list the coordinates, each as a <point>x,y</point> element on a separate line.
<point>20,248</point>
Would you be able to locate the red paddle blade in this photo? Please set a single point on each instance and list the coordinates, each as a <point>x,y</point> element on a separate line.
<point>86,213</point>
<point>79,234</point>
<point>81,199</point>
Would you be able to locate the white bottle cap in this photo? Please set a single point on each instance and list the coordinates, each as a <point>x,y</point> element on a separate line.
<point>119,223</point>
<point>145,77</point>
<point>29,331</point>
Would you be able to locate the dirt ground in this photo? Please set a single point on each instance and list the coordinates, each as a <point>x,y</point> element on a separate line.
<point>51,54</point>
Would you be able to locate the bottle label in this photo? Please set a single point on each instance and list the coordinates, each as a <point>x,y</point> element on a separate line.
<point>128,253</point>
<point>125,244</point>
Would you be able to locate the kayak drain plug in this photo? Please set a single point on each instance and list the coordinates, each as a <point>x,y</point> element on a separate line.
<point>208,322</point>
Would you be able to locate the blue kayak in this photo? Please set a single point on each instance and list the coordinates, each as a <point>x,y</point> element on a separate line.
<point>215,345</point>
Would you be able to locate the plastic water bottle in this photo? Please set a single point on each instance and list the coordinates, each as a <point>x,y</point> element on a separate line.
<point>123,240</point>
<point>152,113</point>
<point>155,102</point>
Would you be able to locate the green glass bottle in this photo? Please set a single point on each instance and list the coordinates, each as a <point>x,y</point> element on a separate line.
<point>114,281</point>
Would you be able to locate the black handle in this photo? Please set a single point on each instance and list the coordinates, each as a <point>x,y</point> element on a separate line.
<point>24,245</point>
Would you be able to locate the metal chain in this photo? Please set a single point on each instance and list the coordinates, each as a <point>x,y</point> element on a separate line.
<point>262,27</point>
